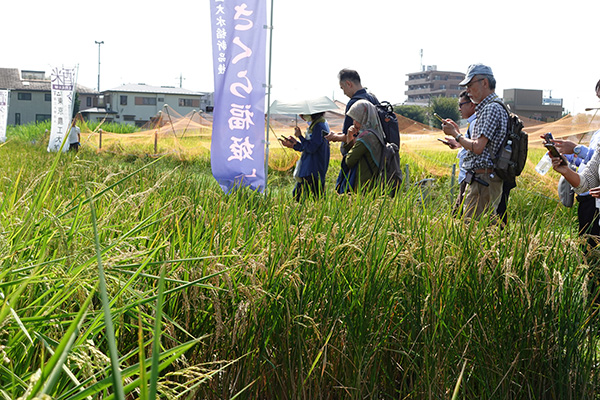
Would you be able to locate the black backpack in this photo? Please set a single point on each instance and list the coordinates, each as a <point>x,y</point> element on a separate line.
<point>512,154</point>
<point>390,174</point>
<point>389,122</point>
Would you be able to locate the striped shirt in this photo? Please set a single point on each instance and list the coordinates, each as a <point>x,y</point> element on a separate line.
<point>492,123</point>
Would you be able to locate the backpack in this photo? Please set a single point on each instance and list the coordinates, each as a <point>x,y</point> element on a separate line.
<point>389,122</point>
<point>390,174</point>
<point>512,154</point>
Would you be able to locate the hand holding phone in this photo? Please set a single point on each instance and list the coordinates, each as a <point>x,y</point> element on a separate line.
<point>555,153</point>
<point>447,143</point>
<point>438,117</point>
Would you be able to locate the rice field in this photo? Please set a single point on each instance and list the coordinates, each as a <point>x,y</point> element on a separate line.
<point>124,275</point>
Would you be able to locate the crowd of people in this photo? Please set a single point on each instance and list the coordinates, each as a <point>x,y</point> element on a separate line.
<point>362,137</point>
<point>481,190</point>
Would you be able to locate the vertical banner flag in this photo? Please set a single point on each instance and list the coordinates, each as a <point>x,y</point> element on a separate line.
<point>63,92</point>
<point>239,61</point>
<point>3,114</point>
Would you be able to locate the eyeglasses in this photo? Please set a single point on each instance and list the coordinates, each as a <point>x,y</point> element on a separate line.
<point>463,103</point>
<point>468,85</point>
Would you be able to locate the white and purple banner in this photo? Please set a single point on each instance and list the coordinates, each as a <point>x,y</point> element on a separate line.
<point>239,58</point>
<point>63,82</point>
<point>3,114</point>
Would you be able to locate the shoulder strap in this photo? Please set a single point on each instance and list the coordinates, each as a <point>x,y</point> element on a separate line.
<point>505,109</point>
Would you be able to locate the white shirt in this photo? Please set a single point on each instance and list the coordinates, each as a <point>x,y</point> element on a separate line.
<point>74,134</point>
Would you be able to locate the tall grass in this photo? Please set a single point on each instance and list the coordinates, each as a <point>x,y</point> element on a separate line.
<point>257,296</point>
<point>111,127</point>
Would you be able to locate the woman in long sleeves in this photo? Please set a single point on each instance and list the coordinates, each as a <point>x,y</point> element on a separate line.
<point>314,161</point>
<point>364,146</point>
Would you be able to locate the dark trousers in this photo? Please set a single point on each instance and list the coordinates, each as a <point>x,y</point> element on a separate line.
<point>458,205</point>
<point>507,186</point>
<point>588,214</point>
<point>307,186</point>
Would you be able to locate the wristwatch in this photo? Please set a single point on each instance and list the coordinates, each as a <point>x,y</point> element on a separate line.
<point>457,138</point>
<point>577,150</point>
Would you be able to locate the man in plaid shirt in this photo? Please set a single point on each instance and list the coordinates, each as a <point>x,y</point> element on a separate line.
<point>485,188</point>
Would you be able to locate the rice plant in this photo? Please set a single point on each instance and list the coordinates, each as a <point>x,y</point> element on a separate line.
<point>256,296</point>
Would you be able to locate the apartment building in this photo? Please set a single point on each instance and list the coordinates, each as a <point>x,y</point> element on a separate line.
<point>429,83</point>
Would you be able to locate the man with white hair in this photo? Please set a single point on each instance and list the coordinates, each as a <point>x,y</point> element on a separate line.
<point>484,186</point>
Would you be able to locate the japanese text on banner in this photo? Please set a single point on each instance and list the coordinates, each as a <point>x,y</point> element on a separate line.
<point>62,88</point>
<point>239,47</point>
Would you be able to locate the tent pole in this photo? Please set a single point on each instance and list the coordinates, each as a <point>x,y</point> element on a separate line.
<point>270,27</point>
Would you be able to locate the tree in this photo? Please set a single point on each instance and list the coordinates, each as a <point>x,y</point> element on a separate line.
<point>76,105</point>
<point>416,113</point>
<point>445,107</point>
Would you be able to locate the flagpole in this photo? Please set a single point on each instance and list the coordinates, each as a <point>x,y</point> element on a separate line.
<point>74,90</point>
<point>270,27</point>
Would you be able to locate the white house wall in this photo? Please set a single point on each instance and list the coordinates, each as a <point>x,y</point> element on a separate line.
<point>143,113</point>
<point>26,111</point>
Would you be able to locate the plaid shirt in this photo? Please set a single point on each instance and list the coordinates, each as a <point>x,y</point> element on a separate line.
<point>492,122</point>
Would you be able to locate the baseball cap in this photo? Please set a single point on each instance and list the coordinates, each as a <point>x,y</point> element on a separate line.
<point>476,69</point>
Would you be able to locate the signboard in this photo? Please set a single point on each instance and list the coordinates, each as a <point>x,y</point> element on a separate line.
<point>63,82</point>
<point>3,114</point>
<point>239,62</point>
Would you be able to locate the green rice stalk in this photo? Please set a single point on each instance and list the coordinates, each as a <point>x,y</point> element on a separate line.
<point>52,370</point>
<point>157,335</point>
<point>167,358</point>
<point>112,345</point>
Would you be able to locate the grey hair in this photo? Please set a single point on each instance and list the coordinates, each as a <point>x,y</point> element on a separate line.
<point>491,81</point>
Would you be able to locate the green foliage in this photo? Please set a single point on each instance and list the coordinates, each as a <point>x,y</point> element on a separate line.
<point>112,127</point>
<point>257,296</point>
<point>416,113</point>
<point>76,105</point>
<point>445,107</point>
<point>32,132</point>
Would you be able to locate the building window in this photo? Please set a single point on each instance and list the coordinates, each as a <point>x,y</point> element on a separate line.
<point>123,100</point>
<point>128,117</point>
<point>47,96</point>
<point>161,99</point>
<point>88,102</point>
<point>145,101</point>
<point>189,103</point>
<point>24,96</point>
<point>17,118</point>
<point>42,117</point>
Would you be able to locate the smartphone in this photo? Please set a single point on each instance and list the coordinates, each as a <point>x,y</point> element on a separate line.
<point>444,141</point>
<point>548,137</point>
<point>438,117</point>
<point>554,152</point>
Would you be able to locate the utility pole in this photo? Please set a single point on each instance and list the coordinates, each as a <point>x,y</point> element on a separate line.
<point>181,79</point>
<point>99,43</point>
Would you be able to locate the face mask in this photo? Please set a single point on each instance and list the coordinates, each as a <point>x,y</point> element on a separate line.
<point>307,118</point>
